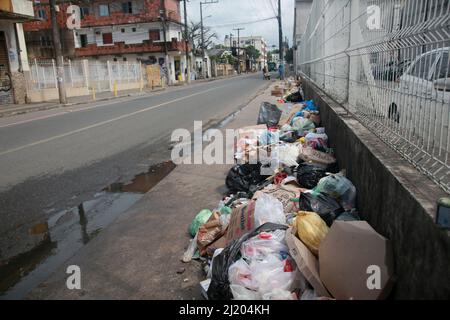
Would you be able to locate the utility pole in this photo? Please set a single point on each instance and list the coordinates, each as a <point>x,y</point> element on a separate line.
<point>202,33</point>
<point>239,47</point>
<point>280,35</point>
<point>58,54</point>
<point>186,37</point>
<point>162,12</point>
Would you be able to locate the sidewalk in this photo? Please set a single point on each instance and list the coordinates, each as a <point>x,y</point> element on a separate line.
<point>139,256</point>
<point>14,109</point>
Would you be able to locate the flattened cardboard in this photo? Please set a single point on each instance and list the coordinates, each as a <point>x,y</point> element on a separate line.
<point>242,220</point>
<point>306,262</point>
<point>346,256</point>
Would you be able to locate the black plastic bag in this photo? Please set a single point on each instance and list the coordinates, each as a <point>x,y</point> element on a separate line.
<point>244,177</point>
<point>326,207</point>
<point>269,114</point>
<point>295,97</point>
<point>219,289</point>
<point>308,175</point>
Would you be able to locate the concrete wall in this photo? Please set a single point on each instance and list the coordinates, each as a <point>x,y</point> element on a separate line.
<point>396,199</point>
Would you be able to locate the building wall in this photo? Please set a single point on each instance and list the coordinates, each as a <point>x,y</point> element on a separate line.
<point>302,12</point>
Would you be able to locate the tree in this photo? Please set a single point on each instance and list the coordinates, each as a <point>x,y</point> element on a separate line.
<point>253,53</point>
<point>195,36</point>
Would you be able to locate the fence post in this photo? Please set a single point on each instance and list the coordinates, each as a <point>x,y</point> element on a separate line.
<point>86,72</point>
<point>108,65</point>
<point>54,73</point>
<point>71,72</point>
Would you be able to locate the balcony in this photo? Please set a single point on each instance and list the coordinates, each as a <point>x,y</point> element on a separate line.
<point>122,48</point>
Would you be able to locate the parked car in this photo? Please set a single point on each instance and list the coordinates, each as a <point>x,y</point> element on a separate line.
<point>390,71</point>
<point>421,104</point>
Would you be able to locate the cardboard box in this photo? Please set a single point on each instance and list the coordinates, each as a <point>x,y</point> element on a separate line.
<point>348,256</point>
<point>306,262</point>
<point>242,220</point>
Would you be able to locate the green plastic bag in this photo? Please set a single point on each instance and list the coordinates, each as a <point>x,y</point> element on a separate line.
<point>201,218</point>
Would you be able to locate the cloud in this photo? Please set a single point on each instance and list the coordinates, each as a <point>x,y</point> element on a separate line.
<point>229,14</point>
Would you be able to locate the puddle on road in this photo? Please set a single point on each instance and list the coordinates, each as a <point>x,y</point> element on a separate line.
<point>67,231</point>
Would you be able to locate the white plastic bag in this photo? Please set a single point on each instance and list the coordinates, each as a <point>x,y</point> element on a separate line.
<point>264,244</point>
<point>279,294</point>
<point>242,293</point>
<point>287,154</point>
<point>268,209</point>
<point>269,274</point>
<point>240,274</point>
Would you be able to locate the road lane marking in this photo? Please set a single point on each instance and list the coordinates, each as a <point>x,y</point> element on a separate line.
<point>108,121</point>
<point>109,102</point>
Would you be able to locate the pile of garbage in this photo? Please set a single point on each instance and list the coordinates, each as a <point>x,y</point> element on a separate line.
<point>289,228</point>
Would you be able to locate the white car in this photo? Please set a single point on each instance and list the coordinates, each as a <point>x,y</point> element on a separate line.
<point>421,104</point>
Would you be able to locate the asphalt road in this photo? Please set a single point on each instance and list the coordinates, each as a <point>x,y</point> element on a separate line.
<point>57,159</point>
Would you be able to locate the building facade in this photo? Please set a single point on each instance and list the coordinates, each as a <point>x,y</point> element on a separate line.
<point>114,31</point>
<point>258,42</point>
<point>13,52</point>
<point>301,16</point>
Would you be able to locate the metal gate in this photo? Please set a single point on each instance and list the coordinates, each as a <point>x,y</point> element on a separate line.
<point>6,96</point>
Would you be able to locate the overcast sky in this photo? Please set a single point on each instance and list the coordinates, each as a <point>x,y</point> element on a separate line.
<point>229,14</point>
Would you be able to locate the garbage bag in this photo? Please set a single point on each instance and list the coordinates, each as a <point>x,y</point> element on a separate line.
<point>326,207</point>
<point>287,154</point>
<point>240,274</point>
<point>317,141</point>
<point>268,209</point>
<point>310,106</point>
<point>242,293</point>
<point>201,218</point>
<point>311,229</point>
<point>308,175</point>
<point>303,124</point>
<point>295,97</point>
<point>258,248</point>
<point>338,187</point>
<point>243,177</point>
<point>269,114</point>
<point>219,289</point>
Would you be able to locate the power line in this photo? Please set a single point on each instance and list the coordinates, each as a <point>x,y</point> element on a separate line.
<point>241,23</point>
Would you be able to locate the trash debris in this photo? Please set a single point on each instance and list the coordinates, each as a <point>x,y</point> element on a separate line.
<point>308,175</point>
<point>346,256</point>
<point>219,288</point>
<point>181,271</point>
<point>269,114</point>
<point>199,219</point>
<point>244,177</point>
<point>311,230</point>
<point>293,235</point>
<point>338,187</point>
<point>268,209</point>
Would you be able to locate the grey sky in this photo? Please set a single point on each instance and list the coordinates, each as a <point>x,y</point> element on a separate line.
<point>229,14</point>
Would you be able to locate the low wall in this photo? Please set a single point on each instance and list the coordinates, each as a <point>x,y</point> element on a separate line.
<point>396,199</point>
<point>44,95</point>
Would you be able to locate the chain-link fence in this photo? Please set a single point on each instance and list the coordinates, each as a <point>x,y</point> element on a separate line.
<point>97,75</point>
<point>387,62</point>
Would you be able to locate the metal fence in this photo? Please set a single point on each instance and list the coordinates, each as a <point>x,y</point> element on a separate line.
<point>387,62</point>
<point>101,76</point>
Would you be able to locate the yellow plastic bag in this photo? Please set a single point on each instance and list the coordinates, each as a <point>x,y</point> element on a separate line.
<point>311,230</point>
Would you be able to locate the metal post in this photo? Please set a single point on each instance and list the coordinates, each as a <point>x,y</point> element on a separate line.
<point>186,37</point>
<point>203,39</point>
<point>239,48</point>
<point>58,54</point>
<point>166,52</point>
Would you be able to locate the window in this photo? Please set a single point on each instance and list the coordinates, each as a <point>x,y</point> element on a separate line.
<point>42,14</point>
<point>83,40</point>
<point>127,7</point>
<point>422,66</point>
<point>133,29</point>
<point>107,38</point>
<point>154,35</point>
<point>84,11</point>
<point>45,41</point>
<point>124,59</point>
<point>103,10</point>
<point>122,30</point>
<point>443,66</point>
<point>115,59</point>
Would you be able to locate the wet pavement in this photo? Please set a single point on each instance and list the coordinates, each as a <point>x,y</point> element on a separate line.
<point>67,231</point>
